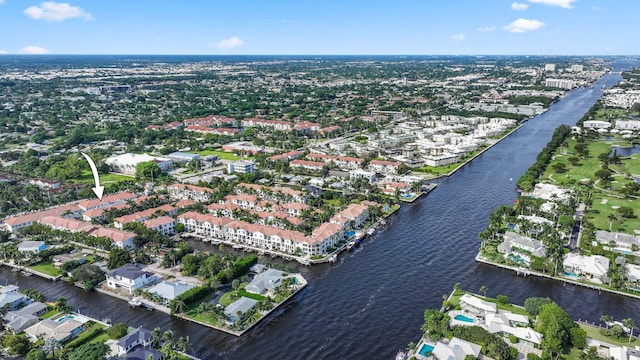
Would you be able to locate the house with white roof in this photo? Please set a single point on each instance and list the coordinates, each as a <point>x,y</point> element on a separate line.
<point>593,266</point>
<point>456,349</point>
<point>523,246</point>
<point>59,330</point>
<point>31,246</point>
<point>129,277</point>
<point>622,241</point>
<point>477,307</point>
<point>265,281</point>
<point>169,290</point>
<point>505,322</point>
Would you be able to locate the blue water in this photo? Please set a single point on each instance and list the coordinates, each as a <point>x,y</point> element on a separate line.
<point>65,318</point>
<point>350,233</point>
<point>569,273</point>
<point>463,318</point>
<point>426,350</point>
<point>511,226</point>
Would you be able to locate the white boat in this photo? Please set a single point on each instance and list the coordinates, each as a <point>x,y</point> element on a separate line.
<point>351,244</point>
<point>371,231</point>
<point>333,258</point>
<point>236,246</point>
<point>135,302</point>
<point>213,242</point>
<point>401,355</point>
<point>304,261</point>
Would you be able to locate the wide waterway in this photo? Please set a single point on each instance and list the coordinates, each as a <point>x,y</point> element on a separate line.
<point>370,303</point>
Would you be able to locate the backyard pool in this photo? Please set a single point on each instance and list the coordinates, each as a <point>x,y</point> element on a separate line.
<point>569,273</point>
<point>426,350</point>
<point>65,318</point>
<point>463,318</point>
<point>350,233</point>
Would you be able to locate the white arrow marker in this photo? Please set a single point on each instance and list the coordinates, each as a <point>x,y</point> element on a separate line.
<point>98,190</point>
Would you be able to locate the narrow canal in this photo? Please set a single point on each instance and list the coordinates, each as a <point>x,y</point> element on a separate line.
<point>370,303</point>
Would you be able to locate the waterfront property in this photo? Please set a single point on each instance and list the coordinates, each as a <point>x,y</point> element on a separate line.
<point>238,308</point>
<point>11,299</point>
<point>169,290</point>
<point>17,321</point>
<point>476,307</point>
<point>456,349</point>
<point>127,343</point>
<point>59,330</point>
<point>128,277</point>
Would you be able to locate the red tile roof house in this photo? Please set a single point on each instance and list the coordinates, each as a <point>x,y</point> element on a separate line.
<point>165,225</point>
<point>321,157</point>
<point>308,165</point>
<point>106,201</point>
<point>189,192</point>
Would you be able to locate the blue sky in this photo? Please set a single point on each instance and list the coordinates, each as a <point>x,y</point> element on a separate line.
<point>420,27</point>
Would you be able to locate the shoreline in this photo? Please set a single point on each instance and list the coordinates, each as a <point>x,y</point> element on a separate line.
<point>526,272</point>
<point>302,283</point>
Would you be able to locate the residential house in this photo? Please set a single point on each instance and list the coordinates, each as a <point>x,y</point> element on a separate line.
<point>139,336</point>
<point>31,246</point>
<point>189,192</point>
<point>169,290</point>
<point>166,225</point>
<point>384,167</point>
<point>238,308</point>
<point>107,201</point>
<point>17,321</point>
<point>522,246</point>
<point>265,281</point>
<point>143,353</point>
<point>507,323</point>
<point>593,266</point>
<point>456,349</point>
<point>57,330</point>
<point>476,307</point>
<point>620,241</point>
<point>129,277</point>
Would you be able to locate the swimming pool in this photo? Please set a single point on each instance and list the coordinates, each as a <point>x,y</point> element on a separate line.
<point>569,273</point>
<point>463,318</point>
<point>65,318</point>
<point>426,350</point>
<point>350,233</point>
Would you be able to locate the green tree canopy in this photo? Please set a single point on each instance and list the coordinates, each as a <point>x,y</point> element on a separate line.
<point>117,258</point>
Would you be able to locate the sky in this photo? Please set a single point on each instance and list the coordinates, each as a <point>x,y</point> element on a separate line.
<point>321,27</point>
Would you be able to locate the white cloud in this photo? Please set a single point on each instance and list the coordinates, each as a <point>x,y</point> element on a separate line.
<point>229,43</point>
<point>519,6</point>
<point>487,28</point>
<point>559,3</point>
<point>2,2</point>
<point>523,25</point>
<point>3,51</point>
<point>53,11</point>
<point>457,37</point>
<point>33,50</point>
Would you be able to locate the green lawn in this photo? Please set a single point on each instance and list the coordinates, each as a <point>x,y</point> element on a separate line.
<point>52,312</point>
<point>632,164</point>
<point>594,333</point>
<point>222,155</point>
<point>585,169</point>
<point>599,213</point>
<point>46,267</point>
<point>86,333</point>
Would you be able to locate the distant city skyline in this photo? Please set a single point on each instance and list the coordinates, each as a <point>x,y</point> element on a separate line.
<point>314,27</point>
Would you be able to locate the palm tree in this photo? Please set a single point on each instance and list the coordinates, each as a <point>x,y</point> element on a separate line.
<point>215,283</point>
<point>167,338</point>
<point>156,335</point>
<point>606,319</point>
<point>62,305</point>
<point>183,343</point>
<point>612,218</point>
<point>483,290</point>
<point>630,325</point>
